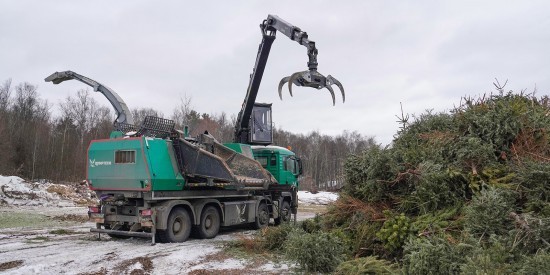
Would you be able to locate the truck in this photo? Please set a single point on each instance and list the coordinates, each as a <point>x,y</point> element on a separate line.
<point>155,181</point>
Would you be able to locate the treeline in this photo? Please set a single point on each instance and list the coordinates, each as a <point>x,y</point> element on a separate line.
<point>35,143</point>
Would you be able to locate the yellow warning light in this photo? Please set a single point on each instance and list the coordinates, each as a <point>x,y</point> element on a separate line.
<point>289,148</point>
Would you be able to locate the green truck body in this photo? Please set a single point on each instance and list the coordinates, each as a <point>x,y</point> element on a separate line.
<point>149,164</point>
<point>165,188</point>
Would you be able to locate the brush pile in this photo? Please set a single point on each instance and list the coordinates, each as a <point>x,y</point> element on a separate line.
<point>460,192</point>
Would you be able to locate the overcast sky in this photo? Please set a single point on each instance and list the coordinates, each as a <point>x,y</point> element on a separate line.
<point>425,54</point>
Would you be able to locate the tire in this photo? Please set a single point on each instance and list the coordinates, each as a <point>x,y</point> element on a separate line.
<point>284,214</point>
<point>262,216</point>
<point>178,227</point>
<point>209,224</point>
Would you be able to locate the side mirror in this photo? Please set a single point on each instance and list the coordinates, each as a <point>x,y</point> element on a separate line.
<point>300,168</point>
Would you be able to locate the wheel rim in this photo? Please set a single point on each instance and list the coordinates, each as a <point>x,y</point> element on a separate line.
<point>176,228</point>
<point>264,216</point>
<point>286,214</point>
<point>208,222</point>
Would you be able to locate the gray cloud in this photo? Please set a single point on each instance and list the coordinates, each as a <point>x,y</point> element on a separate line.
<point>426,54</point>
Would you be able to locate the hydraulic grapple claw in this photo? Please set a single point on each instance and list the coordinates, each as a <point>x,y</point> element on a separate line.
<point>312,79</point>
<point>296,78</point>
<point>281,84</point>
<point>331,80</point>
<point>332,94</point>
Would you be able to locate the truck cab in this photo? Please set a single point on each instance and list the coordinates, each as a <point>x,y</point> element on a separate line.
<point>282,163</point>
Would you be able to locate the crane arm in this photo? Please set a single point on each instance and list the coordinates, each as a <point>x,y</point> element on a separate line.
<point>310,78</point>
<point>242,127</point>
<point>273,22</point>
<point>123,113</point>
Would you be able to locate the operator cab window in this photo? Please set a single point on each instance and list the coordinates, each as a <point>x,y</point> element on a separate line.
<point>125,156</point>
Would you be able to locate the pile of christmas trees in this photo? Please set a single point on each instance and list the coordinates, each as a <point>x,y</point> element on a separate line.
<point>460,192</point>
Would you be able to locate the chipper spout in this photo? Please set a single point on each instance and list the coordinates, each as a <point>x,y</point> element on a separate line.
<point>124,116</point>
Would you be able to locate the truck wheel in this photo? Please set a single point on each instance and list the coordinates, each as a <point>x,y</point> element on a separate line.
<point>209,224</point>
<point>262,216</point>
<point>284,214</point>
<point>178,227</point>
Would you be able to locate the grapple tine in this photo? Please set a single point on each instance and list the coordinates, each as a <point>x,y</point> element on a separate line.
<point>332,94</point>
<point>335,81</point>
<point>312,79</point>
<point>293,77</point>
<point>281,84</point>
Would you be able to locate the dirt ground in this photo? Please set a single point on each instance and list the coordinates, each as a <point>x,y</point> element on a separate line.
<point>56,240</point>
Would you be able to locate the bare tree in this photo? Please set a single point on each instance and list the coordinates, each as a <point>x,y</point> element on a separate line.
<point>139,114</point>
<point>5,92</point>
<point>5,138</point>
<point>27,113</point>
<point>182,114</point>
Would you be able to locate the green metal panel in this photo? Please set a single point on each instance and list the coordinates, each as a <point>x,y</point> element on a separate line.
<point>163,166</point>
<point>152,166</point>
<point>234,146</point>
<point>244,149</point>
<point>105,174</point>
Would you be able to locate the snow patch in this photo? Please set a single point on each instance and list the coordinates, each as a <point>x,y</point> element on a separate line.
<point>226,264</point>
<point>15,191</point>
<point>322,197</point>
<point>136,267</point>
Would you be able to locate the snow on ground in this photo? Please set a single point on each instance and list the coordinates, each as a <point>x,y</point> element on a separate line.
<point>40,251</point>
<point>322,197</point>
<point>15,191</point>
<point>55,238</point>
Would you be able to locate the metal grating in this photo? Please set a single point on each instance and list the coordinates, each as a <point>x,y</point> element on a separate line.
<point>125,127</point>
<point>156,127</point>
